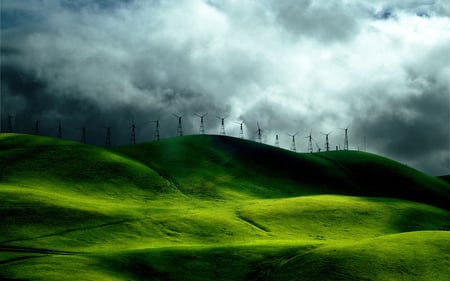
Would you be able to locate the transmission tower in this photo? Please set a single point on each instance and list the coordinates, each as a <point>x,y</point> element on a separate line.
<point>222,125</point>
<point>202,123</point>
<point>37,130</point>
<point>293,147</point>
<point>180,125</point>
<point>259,131</point>
<point>277,141</point>
<point>327,143</point>
<point>59,135</point>
<point>108,136</point>
<point>133,132</point>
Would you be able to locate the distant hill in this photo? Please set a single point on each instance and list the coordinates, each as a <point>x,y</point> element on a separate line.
<point>215,208</point>
<point>264,171</point>
<point>445,178</point>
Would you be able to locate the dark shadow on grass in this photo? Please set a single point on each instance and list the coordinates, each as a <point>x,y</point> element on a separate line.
<point>69,231</point>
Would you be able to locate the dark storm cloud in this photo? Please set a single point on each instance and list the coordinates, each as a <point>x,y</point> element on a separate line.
<point>411,129</point>
<point>322,21</point>
<point>411,123</point>
<point>288,65</point>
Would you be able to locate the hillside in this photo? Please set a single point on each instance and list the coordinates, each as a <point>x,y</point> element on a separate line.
<point>214,207</point>
<point>445,178</point>
<point>219,166</point>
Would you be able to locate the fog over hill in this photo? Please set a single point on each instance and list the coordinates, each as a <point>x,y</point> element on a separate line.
<point>380,67</point>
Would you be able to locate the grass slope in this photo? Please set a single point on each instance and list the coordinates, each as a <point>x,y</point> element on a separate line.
<point>210,207</point>
<point>445,178</point>
<point>218,166</point>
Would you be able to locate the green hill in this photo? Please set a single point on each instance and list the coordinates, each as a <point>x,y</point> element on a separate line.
<point>445,178</point>
<point>214,207</point>
<point>218,166</point>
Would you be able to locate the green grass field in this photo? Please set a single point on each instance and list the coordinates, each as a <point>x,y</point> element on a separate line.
<point>215,208</point>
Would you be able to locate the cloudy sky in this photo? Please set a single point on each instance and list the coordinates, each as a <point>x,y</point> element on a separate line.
<point>380,67</point>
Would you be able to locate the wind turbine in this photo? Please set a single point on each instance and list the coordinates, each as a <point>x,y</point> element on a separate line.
<point>36,127</point>
<point>108,136</point>
<point>241,132</point>
<point>83,134</point>
<point>309,137</point>
<point>133,131</point>
<point>277,141</point>
<point>202,124</point>
<point>317,145</point>
<point>9,127</point>
<point>180,126</point>
<point>157,135</point>
<point>293,148</point>
<point>59,135</point>
<point>259,131</point>
<point>327,143</point>
<point>345,137</point>
<point>222,124</point>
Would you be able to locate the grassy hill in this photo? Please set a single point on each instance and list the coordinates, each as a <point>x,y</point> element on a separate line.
<point>233,165</point>
<point>445,178</point>
<point>214,207</point>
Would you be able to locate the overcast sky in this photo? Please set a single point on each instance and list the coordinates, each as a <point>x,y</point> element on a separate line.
<point>379,67</point>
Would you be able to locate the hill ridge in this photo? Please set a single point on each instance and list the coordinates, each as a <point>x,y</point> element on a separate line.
<point>329,172</point>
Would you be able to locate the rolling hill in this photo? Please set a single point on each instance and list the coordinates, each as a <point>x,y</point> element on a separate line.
<point>215,207</point>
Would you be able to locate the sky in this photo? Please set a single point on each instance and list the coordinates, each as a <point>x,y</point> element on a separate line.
<point>379,68</point>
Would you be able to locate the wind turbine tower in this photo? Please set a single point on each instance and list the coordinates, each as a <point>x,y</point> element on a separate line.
<point>327,143</point>
<point>365,148</point>
<point>345,137</point>
<point>318,147</point>
<point>133,132</point>
<point>83,134</point>
<point>9,125</point>
<point>37,131</point>
<point>277,141</point>
<point>202,123</point>
<point>241,131</point>
<point>108,136</point>
<point>259,131</point>
<point>293,147</point>
<point>310,146</point>
<point>59,130</point>
<point>180,125</point>
<point>222,125</point>
<point>157,135</point>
